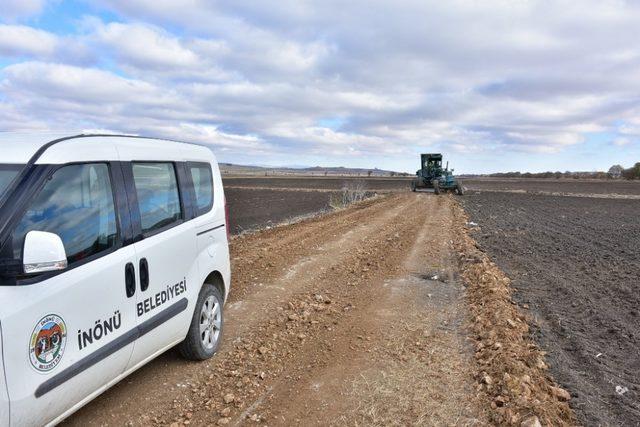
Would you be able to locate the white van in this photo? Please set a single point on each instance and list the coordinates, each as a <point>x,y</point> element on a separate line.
<point>113,249</point>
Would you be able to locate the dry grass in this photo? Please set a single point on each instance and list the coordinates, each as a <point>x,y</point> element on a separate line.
<point>352,192</point>
<point>401,393</point>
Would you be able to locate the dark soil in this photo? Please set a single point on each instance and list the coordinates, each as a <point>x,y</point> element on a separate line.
<point>575,262</point>
<point>251,209</point>
<point>323,183</point>
<point>402,183</point>
<point>555,185</point>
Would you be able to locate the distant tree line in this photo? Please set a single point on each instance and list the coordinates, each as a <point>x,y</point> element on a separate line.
<point>556,175</point>
<point>632,172</point>
<point>615,172</point>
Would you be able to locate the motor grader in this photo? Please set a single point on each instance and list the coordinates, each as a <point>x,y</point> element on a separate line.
<point>431,175</point>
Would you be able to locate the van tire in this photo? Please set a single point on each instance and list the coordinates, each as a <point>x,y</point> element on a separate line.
<point>193,347</point>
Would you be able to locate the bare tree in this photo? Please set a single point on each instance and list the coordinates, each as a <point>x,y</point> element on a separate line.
<point>615,171</point>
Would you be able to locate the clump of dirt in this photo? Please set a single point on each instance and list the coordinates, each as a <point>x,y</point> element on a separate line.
<point>512,371</point>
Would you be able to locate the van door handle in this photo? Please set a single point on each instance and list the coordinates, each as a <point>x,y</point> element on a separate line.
<point>130,279</point>
<point>144,274</point>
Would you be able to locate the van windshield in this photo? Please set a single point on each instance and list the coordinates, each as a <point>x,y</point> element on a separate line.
<point>7,174</point>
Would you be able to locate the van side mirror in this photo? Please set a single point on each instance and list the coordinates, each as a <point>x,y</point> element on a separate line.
<point>43,252</point>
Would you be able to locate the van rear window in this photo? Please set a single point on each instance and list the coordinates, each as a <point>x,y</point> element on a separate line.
<point>203,186</point>
<point>7,174</point>
<point>158,195</point>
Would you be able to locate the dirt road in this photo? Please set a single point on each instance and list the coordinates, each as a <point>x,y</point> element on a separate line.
<point>356,317</point>
<point>385,313</point>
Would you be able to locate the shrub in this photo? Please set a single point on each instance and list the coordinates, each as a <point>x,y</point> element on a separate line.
<point>633,172</point>
<point>352,192</point>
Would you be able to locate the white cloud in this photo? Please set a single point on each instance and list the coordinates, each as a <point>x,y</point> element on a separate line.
<point>73,84</point>
<point>10,116</point>
<point>20,40</point>
<point>145,47</point>
<point>16,9</point>
<point>621,142</point>
<point>498,76</point>
<point>223,141</point>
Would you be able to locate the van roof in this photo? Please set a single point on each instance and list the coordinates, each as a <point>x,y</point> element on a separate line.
<point>20,148</point>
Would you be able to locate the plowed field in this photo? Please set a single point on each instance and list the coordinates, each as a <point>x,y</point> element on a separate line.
<point>561,186</point>
<point>575,262</point>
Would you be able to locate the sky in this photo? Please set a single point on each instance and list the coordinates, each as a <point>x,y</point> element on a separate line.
<point>494,85</point>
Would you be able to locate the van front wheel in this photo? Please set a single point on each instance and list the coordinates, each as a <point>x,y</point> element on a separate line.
<point>205,332</point>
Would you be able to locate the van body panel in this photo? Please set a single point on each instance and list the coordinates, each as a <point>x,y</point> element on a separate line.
<point>107,386</point>
<point>80,150</point>
<point>138,149</point>
<point>79,298</point>
<point>173,276</point>
<point>211,234</point>
<point>20,148</point>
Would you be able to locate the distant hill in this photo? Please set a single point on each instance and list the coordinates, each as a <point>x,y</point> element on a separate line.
<point>232,169</point>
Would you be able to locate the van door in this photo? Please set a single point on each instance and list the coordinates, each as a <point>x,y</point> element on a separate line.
<point>166,257</point>
<point>68,334</point>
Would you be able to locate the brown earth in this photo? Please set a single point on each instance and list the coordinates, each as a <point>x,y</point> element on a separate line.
<point>575,263</point>
<point>358,317</point>
<point>330,321</point>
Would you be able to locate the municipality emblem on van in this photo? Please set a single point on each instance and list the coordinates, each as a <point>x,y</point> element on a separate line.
<point>47,343</point>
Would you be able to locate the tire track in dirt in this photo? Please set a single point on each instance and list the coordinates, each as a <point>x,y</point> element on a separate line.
<point>304,271</point>
<point>258,258</point>
<point>325,315</point>
<point>403,357</point>
<point>268,254</point>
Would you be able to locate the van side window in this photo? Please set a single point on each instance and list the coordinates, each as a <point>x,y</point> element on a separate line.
<point>158,195</point>
<point>203,185</point>
<point>77,204</point>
